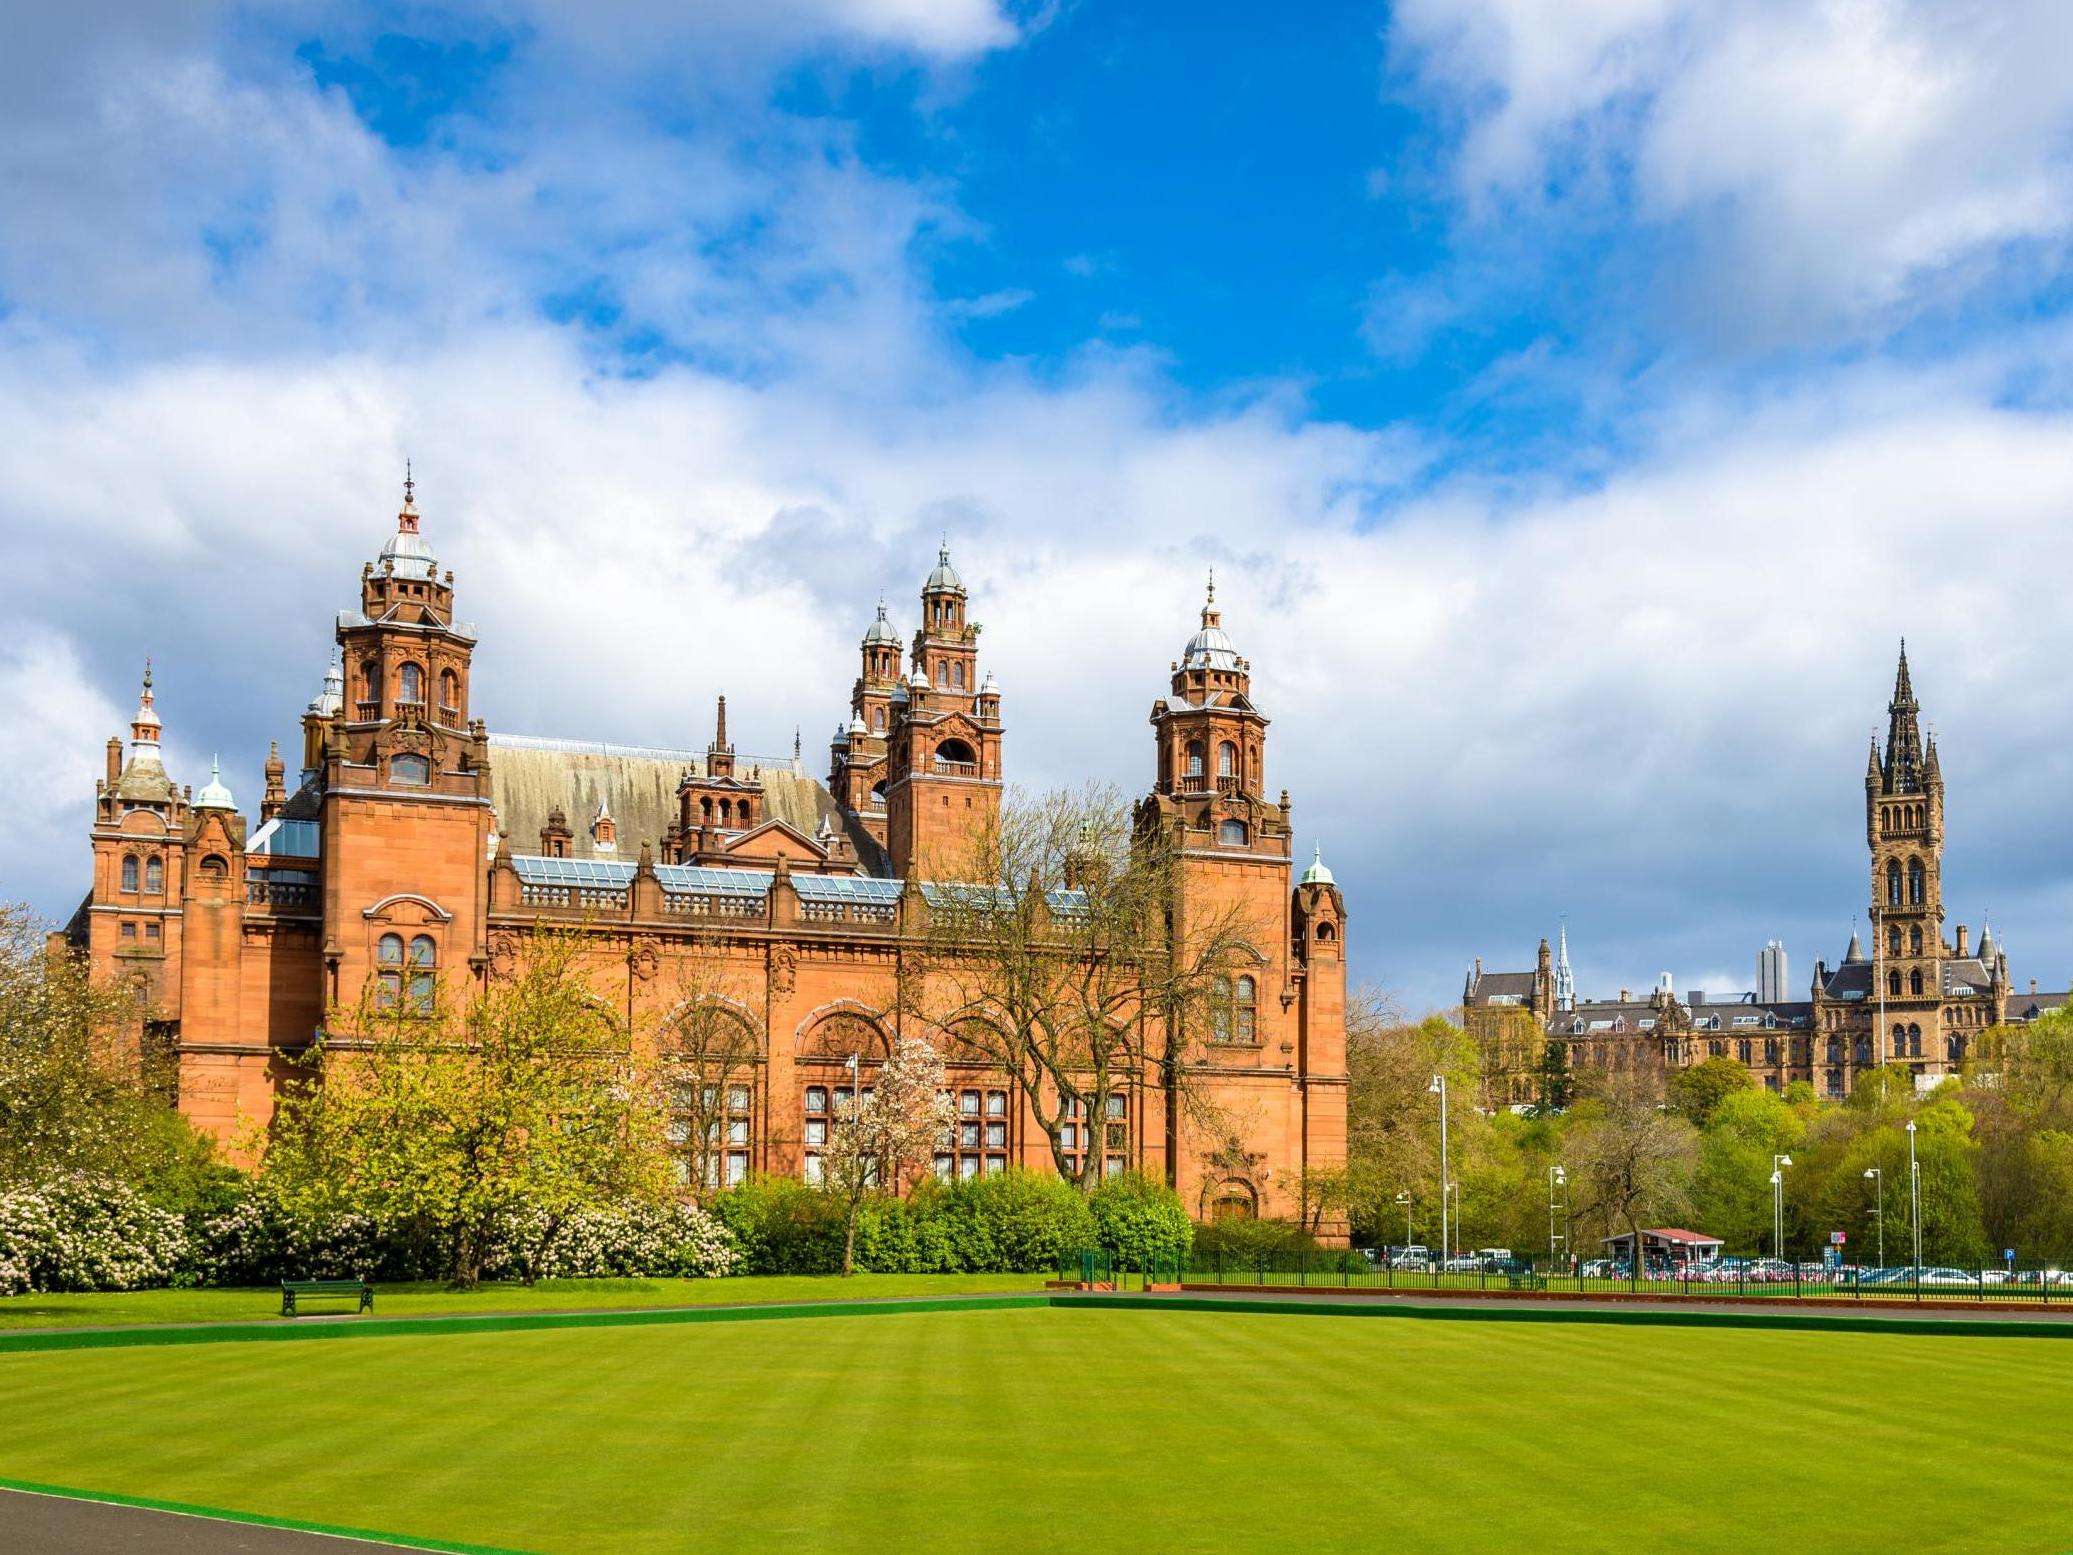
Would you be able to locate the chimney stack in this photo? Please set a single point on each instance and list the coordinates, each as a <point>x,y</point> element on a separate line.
<point>1961,940</point>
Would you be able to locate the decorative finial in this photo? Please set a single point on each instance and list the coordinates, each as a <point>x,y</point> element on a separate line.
<point>147,674</point>
<point>409,483</point>
<point>1212,585</point>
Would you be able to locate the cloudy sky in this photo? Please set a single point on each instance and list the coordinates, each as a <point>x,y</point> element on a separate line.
<point>1577,402</point>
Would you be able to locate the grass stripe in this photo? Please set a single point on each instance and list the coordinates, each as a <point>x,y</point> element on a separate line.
<point>254,1519</point>
<point>285,1331</point>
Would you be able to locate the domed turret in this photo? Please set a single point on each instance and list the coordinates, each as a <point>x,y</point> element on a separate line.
<point>409,553</point>
<point>881,633</point>
<point>214,795</point>
<point>944,580</point>
<point>1317,873</point>
<point>1210,648</point>
<point>328,701</point>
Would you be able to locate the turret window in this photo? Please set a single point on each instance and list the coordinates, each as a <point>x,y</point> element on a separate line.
<point>154,877</point>
<point>1914,940</point>
<point>1196,756</point>
<point>1914,882</point>
<point>1893,941</point>
<point>449,692</point>
<point>1233,834</point>
<point>1327,933</point>
<point>1893,882</point>
<point>411,683</point>
<point>957,674</point>
<point>129,874</point>
<point>878,720</point>
<point>1227,760</point>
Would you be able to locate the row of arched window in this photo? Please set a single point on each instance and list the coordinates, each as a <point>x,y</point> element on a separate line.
<point>1905,817</point>
<point>1914,940</point>
<point>1914,984</point>
<point>1234,1014</point>
<point>411,684</point>
<point>154,875</point>
<point>1197,757</point>
<point>1917,883</point>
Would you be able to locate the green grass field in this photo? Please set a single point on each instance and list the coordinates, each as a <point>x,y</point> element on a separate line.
<point>123,1309</point>
<point>1042,1429</point>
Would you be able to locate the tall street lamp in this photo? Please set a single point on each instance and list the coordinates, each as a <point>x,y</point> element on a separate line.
<point>1778,1205</point>
<point>1556,1178</point>
<point>1439,1089</point>
<point>1914,1196</point>
<point>1403,1202</point>
<point>1878,1178</point>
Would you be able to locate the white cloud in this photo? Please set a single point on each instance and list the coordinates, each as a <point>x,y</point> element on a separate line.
<point>1835,164</point>
<point>55,720</point>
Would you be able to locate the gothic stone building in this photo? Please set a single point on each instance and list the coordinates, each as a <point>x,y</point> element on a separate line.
<point>1918,998</point>
<point>412,850</point>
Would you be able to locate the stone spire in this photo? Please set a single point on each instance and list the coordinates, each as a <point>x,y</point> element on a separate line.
<point>1565,980</point>
<point>276,783</point>
<point>1903,770</point>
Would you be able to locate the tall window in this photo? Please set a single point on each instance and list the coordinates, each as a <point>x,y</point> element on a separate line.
<point>411,683</point>
<point>1893,940</point>
<point>1914,1040</point>
<point>878,720</point>
<point>1893,882</point>
<point>723,1158</point>
<point>1078,1137</point>
<point>154,876</point>
<point>1914,882</point>
<point>1244,1008</point>
<point>957,674</point>
<point>978,1141</point>
<point>129,873</point>
<point>824,1104</point>
<point>1914,940</point>
<point>449,691</point>
<point>1914,982</point>
<point>1226,760</point>
<point>388,971</point>
<point>422,986</point>
<point>1195,758</point>
<point>1893,985</point>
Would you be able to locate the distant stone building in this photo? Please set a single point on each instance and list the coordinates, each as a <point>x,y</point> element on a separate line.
<point>1918,998</point>
<point>413,849</point>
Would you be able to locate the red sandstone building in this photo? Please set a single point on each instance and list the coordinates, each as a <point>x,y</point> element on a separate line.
<point>415,849</point>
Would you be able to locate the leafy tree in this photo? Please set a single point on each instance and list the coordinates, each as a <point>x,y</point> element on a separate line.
<point>81,1088</point>
<point>882,1136</point>
<point>1695,1092</point>
<point>1392,1117</point>
<point>1633,1160</point>
<point>1555,1086</point>
<point>1731,1186</point>
<point>520,1102</point>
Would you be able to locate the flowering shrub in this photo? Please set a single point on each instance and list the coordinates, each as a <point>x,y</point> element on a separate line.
<point>617,1240</point>
<point>258,1240</point>
<point>82,1233</point>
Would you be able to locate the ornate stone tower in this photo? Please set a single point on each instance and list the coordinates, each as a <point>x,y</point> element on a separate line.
<point>405,778</point>
<point>1212,746</point>
<point>134,922</point>
<point>943,746</point>
<point>1903,826</point>
<point>857,767</point>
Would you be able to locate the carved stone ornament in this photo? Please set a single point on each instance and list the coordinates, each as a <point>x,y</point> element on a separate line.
<point>784,971</point>
<point>503,955</point>
<point>645,958</point>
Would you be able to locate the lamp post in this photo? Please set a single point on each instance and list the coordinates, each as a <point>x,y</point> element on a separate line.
<point>1878,1178</point>
<point>1914,1197</point>
<point>1404,1199</point>
<point>1439,1089</point>
<point>1778,1205</point>
<point>1556,1178</point>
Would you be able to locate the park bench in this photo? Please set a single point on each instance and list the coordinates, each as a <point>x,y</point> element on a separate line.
<point>1523,1276</point>
<point>294,1292</point>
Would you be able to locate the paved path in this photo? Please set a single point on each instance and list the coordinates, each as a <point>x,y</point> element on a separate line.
<point>58,1525</point>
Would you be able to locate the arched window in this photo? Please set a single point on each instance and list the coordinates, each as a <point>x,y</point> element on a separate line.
<point>1914,1041</point>
<point>215,866</point>
<point>1914,882</point>
<point>449,691</point>
<point>1900,1041</point>
<point>388,972</point>
<point>955,753</point>
<point>957,674</point>
<point>1893,985</point>
<point>1914,983</point>
<point>705,811</point>
<point>1914,940</point>
<point>1835,1050</point>
<point>1893,882</point>
<point>424,962</point>
<point>1245,1009</point>
<point>414,770</point>
<point>1893,940</point>
<point>1196,756</point>
<point>1954,1048</point>
<point>1326,932</point>
<point>370,676</point>
<point>878,720</point>
<point>1226,760</point>
<point>154,876</point>
<point>1232,834</point>
<point>410,682</point>
<point>129,873</point>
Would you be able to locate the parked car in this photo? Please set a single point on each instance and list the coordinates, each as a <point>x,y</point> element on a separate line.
<point>1462,1263</point>
<point>1497,1260</point>
<point>1415,1256</point>
<point>1769,1271</point>
<point>1595,1269</point>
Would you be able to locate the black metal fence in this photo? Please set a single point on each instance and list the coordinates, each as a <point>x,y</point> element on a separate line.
<point>2017,1284</point>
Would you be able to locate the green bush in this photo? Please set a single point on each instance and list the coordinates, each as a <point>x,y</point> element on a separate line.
<point>782,1226</point>
<point>1017,1220</point>
<point>1242,1239</point>
<point>1140,1220</point>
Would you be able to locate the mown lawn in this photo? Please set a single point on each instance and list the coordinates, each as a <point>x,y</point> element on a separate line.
<point>1041,1430</point>
<point>124,1308</point>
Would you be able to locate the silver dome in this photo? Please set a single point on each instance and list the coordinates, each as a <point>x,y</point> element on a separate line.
<point>944,579</point>
<point>881,632</point>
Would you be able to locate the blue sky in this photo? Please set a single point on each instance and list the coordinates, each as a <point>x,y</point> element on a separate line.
<point>1578,402</point>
